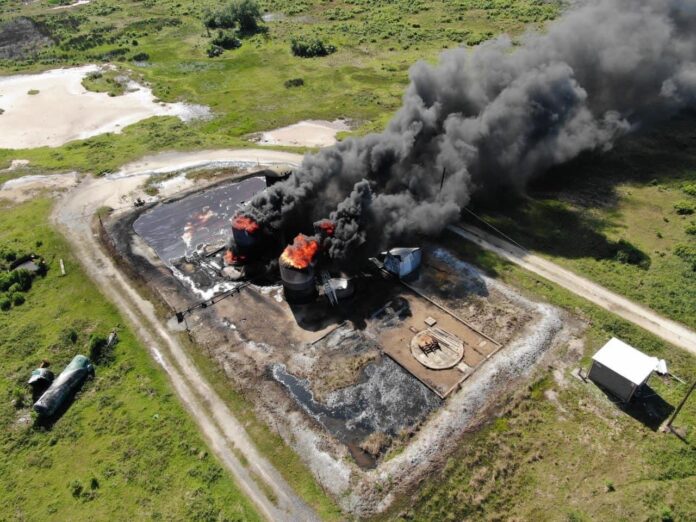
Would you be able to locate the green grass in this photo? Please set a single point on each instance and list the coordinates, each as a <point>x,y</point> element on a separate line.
<point>578,215</point>
<point>126,442</point>
<point>112,82</point>
<point>562,450</point>
<point>364,80</point>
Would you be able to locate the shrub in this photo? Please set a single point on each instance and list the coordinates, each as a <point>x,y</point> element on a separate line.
<point>141,57</point>
<point>21,278</point>
<point>629,254</point>
<point>691,229</point>
<point>214,50</point>
<point>220,18</point>
<point>690,189</point>
<point>684,207</point>
<point>294,82</point>
<point>311,48</point>
<point>69,336</point>
<point>226,40</point>
<point>687,253</point>
<point>96,346</point>
<point>18,398</point>
<point>8,255</point>
<point>245,14</point>
<point>76,488</point>
<point>5,303</point>
<point>18,299</point>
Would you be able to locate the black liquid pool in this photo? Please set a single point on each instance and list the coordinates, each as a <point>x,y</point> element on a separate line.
<point>176,228</point>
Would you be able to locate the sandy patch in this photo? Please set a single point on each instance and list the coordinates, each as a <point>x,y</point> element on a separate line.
<point>16,165</point>
<point>63,110</point>
<point>166,162</point>
<point>25,188</point>
<point>79,2</point>
<point>307,133</point>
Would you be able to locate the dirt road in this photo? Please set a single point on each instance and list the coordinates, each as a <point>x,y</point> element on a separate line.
<point>666,329</point>
<point>72,214</point>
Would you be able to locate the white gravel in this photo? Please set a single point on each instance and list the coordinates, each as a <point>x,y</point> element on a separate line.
<point>307,133</point>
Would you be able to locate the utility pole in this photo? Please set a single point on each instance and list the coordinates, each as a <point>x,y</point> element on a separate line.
<point>681,404</point>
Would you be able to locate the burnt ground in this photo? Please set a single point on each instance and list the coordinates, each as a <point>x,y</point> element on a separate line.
<point>321,376</point>
<point>22,37</point>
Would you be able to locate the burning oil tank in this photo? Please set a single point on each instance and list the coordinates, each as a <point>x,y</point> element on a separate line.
<point>297,271</point>
<point>245,241</point>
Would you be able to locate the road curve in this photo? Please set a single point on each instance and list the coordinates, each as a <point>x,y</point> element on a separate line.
<point>668,330</point>
<point>223,432</point>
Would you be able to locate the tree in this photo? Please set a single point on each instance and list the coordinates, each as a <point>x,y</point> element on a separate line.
<point>247,14</point>
<point>220,18</point>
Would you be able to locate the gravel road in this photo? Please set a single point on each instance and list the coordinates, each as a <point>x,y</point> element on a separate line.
<point>666,329</point>
<point>223,432</point>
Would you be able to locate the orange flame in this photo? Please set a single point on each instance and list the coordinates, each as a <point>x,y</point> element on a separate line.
<point>241,222</point>
<point>231,259</point>
<point>301,253</point>
<point>327,226</point>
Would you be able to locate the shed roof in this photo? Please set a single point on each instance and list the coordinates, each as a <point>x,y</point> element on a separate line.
<point>402,252</point>
<point>625,360</point>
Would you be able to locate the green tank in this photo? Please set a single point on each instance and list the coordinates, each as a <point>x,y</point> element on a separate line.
<point>65,386</point>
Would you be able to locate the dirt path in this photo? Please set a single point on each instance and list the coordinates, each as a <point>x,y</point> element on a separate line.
<point>165,162</point>
<point>72,215</point>
<point>666,329</point>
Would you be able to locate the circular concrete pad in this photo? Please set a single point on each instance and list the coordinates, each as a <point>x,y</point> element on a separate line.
<point>436,349</point>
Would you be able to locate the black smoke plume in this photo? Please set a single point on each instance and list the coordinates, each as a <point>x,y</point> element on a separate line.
<point>494,117</point>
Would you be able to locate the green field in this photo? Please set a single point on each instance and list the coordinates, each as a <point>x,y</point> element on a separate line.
<point>580,213</point>
<point>364,80</point>
<point>558,450</point>
<point>125,449</point>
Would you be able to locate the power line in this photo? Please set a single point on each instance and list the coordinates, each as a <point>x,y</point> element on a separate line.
<point>503,234</point>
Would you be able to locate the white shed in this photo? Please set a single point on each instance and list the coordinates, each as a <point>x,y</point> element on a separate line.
<point>402,261</point>
<point>622,369</point>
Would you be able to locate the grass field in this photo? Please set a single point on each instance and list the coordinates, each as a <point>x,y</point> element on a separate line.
<point>125,449</point>
<point>579,214</point>
<point>559,450</point>
<point>364,80</point>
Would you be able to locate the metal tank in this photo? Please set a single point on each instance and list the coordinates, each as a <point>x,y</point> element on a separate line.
<point>65,386</point>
